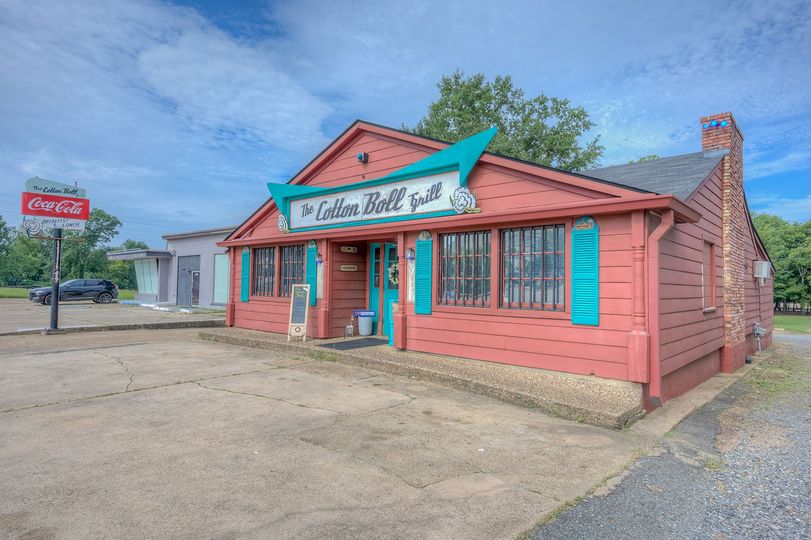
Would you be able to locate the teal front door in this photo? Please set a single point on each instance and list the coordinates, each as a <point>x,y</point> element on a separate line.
<point>388,283</point>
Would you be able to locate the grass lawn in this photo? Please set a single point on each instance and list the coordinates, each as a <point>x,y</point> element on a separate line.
<point>22,292</point>
<point>13,292</point>
<point>126,294</point>
<point>794,324</point>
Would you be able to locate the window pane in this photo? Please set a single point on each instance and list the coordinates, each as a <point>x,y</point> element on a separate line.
<point>532,268</point>
<point>464,268</point>
<point>263,271</point>
<point>292,268</point>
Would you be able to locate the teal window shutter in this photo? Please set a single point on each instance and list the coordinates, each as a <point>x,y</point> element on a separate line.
<point>311,273</point>
<point>423,277</point>
<point>245,287</point>
<point>586,272</point>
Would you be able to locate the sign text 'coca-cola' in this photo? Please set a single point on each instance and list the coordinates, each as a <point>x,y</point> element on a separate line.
<point>40,204</point>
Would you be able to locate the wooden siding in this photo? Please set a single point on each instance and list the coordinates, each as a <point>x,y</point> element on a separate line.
<point>690,336</point>
<point>349,290</point>
<point>496,188</point>
<point>543,339</point>
<point>689,333</point>
<point>269,314</point>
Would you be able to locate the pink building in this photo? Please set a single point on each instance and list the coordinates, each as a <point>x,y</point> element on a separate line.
<point>643,272</point>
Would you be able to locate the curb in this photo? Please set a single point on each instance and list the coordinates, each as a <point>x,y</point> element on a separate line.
<point>168,325</point>
<point>514,397</point>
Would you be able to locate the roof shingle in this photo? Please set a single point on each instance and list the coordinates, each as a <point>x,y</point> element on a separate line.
<point>677,175</point>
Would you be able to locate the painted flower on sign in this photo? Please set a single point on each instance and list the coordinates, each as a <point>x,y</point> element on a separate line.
<point>283,223</point>
<point>464,202</point>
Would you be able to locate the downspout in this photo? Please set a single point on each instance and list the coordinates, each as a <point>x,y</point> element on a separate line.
<point>655,387</point>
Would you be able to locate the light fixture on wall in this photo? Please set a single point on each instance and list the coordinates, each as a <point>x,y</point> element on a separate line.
<point>318,258</point>
<point>410,254</point>
<point>363,157</point>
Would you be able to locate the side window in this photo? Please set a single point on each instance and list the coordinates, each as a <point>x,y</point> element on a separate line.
<point>708,277</point>
<point>532,268</point>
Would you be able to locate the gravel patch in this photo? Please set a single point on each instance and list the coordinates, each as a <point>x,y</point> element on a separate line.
<point>740,467</point>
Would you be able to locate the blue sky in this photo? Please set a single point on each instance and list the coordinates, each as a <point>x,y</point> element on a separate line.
<point>173,116</point>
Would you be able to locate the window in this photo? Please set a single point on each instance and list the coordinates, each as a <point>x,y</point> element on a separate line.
<point>292,268</point>
<point>464,269</point>
<point>220,278</point>
<point>708,276</point>
<point>532,270</point>
<point>264,264</point>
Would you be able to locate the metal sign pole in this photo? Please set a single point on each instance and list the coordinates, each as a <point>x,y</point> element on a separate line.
<point>57,271</point>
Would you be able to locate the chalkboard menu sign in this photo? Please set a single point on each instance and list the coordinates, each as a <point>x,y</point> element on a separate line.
<point>299,307</point>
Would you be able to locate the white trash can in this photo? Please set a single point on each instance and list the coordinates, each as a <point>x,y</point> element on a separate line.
<point>365,323</point>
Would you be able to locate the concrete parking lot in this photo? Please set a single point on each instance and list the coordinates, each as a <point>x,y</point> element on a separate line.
<point>21,314</point>
<point>156,434</point>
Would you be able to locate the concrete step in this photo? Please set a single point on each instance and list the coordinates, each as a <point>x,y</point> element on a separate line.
<point>588,399</point>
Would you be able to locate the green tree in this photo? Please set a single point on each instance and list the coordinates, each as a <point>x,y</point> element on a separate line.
<point>84,254</point>
<point>123,272</point>
<point>789,247</point>
<point>6,236</point>
<point>28,262</point>
<point>540,129</point>
<point>651,157</point>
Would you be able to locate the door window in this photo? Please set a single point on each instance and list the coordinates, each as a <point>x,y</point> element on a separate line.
<point>195,288</point>
<point>393,268</point>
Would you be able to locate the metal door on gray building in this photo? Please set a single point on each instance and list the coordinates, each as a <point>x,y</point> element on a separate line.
<point>187,268</point>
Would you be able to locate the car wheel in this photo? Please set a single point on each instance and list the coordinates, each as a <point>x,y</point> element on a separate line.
<point>105,298</point>
<point>47,300</point>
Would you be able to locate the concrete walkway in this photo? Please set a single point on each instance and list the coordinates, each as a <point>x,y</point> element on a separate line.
<point>593,400</point>
<point>158,434</point>
<point>18,316</point>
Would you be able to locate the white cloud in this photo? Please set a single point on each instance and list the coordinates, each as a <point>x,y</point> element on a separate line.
<point>792,209</point>
<point>217,83</point>
<point>167,121</point>
<point>172,123</point>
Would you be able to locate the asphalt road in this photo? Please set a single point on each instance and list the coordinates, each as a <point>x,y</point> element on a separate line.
<point>740,467</point>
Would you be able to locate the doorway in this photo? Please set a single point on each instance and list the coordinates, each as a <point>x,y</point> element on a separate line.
<point>188,280</point>
<point>387,284</point>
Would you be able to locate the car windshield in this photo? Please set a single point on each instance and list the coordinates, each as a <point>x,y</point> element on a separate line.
<point>69,282</point>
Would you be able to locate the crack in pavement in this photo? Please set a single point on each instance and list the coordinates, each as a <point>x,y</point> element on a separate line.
<point>122,364</point>
<point>110,394</point>
<point>268,398</point>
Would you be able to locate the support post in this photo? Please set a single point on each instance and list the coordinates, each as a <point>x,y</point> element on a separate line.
<point>55,279</point>
<point>638,338</point>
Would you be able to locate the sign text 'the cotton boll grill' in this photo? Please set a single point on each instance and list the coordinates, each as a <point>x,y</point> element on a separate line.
<point>405,198</point>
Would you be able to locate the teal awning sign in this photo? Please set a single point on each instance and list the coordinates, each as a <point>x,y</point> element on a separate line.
<point>432,187</point>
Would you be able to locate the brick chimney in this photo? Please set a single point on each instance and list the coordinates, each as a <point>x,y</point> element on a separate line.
<point>720,132</point>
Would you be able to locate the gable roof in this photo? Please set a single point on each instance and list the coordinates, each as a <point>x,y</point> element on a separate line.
<point>612,188</point>
<point>677,175</point>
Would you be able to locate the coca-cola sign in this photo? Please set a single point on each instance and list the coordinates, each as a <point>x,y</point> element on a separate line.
<point>37,204</point>
<point>47,204</point>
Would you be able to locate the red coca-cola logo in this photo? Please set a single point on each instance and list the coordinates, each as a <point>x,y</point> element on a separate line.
<point>39,204</point>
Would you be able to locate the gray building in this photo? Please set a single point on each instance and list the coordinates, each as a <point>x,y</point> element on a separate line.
<point>191,271</point>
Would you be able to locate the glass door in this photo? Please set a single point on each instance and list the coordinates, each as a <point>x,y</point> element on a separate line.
<point>391,288</point>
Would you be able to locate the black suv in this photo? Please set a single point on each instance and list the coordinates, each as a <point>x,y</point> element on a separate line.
<point>101,291</point>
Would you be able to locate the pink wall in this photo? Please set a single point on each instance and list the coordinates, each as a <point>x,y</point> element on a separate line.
<point>688,333</point>
<point>691,337</point>
<point>537,338</point>
<point>348,289</point>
